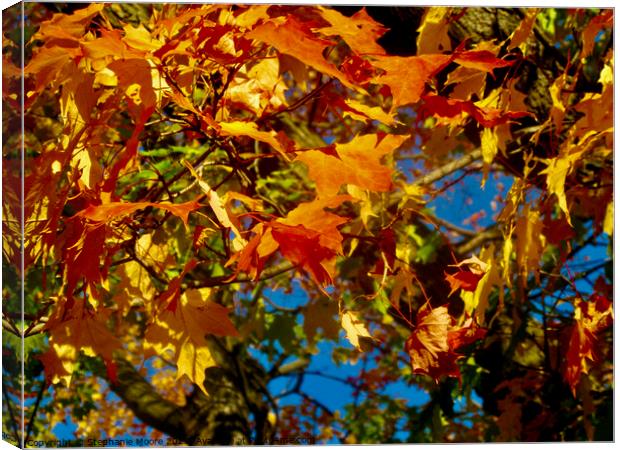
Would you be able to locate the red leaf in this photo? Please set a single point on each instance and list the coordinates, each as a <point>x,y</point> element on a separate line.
<point>469,333</point>
<point>302,247</point>
<point>111,370</point>
<point>463,279</point>
<point>591,317</point>
<point>488,117</point>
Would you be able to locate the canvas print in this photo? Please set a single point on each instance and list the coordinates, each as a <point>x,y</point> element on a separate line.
<point>298,224</point>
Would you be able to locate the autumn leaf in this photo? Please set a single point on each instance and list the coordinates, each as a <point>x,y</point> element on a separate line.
<point>278,141</point>
<point>428,344</point>
<point>360,31</point>
<point>292,37</point>
<point>357,162</point>
<point>407,76</point>
<point>589,34</point>
<point>181,325</point>
<point>355,329</point>
<point>482,60</point>
<point>74,329</point>
<point>463,279</point>
<point>433,342</point>
<point>591,318</point>
<point>485,116</point>
<point>222,213</point>
<point>308,237</point>
<point>107,212</point>
<point>433,31</point>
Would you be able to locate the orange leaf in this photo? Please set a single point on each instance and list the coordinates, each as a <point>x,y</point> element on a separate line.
<point>360,31</point>
<point>110,211</point>
<point>603,20</point>
<point>308,237</point>
<point>303,248</point>
<point>357,162</point>
<point>63,26</point>
<point>482,60</point>
<point>407,76</point>
<point>312,215</point>
<point>292,37</point>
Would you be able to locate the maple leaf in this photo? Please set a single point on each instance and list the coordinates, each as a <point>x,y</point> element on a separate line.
<point>360,111</point>
<point>354,328</point>
<point>483,60</point>
<point>67,26</point>
<point>280,142</point>
<point>433,31</point>
<point>303,248</point>
<point>433,342</point>
<point>467,279</point>
<point>74,329</point>
<point>463,279</point>
<point>357,162</point>
<point>308,237</point>
<point>450,108</point>
<point>604,20</point>
<point>84,247</point>
<point>428,344</point>
<point>107,212</point>
<point>292,37</point>
<point>591,318</point>
<point>360,31</point>
<point>219,208</point>
<point>181,324</point>
<point>407,76</point>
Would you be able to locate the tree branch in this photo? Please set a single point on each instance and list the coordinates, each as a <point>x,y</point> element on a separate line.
<point>146,403</point>
<point>448,169</point>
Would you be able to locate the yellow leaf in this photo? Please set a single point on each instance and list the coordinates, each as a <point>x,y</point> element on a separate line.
<point>530,241</point>
<point>75,330</point>
<point>354,328</point>
<point>557,170</point>
<point>359,31</point>
<point>489,144</point>
<point>181,327</point>
<point>433,32</point>
<point>520,35</point>
<point>368,112</point>
<point>608,223</point>
<point>278,141</point>
<point>193,361</point>
<point>477,302</point>
<point>217,205</point>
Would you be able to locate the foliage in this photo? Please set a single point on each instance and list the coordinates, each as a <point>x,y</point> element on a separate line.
<point>221,197</point>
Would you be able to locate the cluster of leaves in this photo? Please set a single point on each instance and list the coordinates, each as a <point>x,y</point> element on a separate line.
<point>186,163</point>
